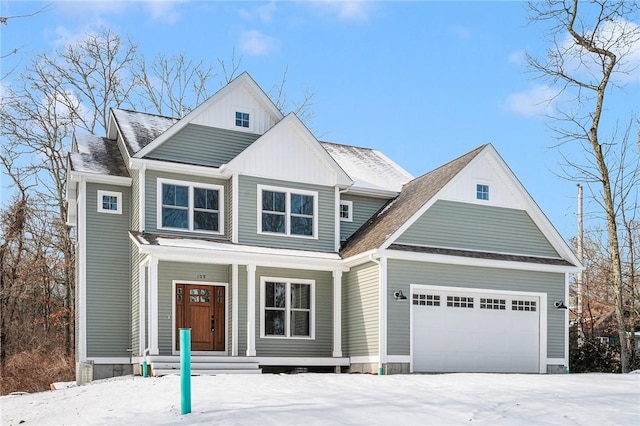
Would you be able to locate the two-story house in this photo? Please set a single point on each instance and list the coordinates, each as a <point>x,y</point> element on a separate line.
<point>281,251</point>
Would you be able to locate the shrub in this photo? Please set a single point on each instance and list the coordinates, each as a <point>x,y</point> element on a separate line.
<point>36,370</point>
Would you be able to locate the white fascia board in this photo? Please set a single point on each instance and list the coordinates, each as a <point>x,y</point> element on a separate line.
<point>165,166</point>
<point>468,261</point>
<point>98,178</point>
<point>242,79</point>
<point>362,258</point>
<point>371,192</point>
<point>245,255</point>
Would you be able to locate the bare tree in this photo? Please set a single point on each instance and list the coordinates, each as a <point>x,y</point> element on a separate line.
<point>172,85</point>
<point>302,108</point>
<point>591,45</point>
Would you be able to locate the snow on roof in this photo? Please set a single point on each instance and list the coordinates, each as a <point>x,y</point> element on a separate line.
<point>368,168</point>
<point>140,129</point>
<point>96,154</point>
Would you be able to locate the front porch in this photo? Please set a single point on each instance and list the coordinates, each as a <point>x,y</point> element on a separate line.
<point>201,365</point>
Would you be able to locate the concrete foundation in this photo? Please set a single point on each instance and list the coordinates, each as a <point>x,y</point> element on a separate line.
<point>556,369</point>
<point>372,368</point>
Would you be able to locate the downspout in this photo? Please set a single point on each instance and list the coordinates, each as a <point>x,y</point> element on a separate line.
<point>381,310</point>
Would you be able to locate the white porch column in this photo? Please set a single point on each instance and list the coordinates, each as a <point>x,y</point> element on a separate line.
<point>337,313</point>
<point>153,307</point>
<point>142,315</point>
<point>234,309</point>
<point>251,310</point>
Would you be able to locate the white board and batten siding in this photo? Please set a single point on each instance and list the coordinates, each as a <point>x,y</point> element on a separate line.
<point>222,113</point>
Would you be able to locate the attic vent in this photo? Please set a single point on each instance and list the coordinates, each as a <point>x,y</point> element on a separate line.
<point>242,119</point>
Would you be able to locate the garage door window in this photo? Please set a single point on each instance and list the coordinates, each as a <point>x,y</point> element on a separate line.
<point>460,302</point>
<point>426,300</point>
<point>523,305</point>
<point>497,304</point>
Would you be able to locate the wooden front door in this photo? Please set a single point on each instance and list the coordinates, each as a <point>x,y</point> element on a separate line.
<point>202,309</point>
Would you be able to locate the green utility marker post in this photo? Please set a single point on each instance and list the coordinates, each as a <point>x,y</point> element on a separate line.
<point>185,370</point>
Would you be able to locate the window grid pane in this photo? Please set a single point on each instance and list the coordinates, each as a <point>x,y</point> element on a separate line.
<point>109,202</point>
<point>482,192</point>
<point>242,119</point>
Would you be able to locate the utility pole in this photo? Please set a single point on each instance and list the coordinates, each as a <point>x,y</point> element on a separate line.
<point>581,258</point>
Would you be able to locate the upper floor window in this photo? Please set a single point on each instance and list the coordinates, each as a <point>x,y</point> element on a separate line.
<point>288,307</point>
<point>346,211</point>
<point>285,211</point>
<point>109,202</point>
<point>190,206</point>
<point>242,119</point>
<point>482,192</point>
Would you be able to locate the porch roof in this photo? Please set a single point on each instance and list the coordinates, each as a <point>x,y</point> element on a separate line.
<point>208,250</point>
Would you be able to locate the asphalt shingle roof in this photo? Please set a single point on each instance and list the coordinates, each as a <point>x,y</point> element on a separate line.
<point>396,212</point>
<point>97,155</point>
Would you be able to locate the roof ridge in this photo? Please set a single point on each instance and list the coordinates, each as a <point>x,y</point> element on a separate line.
<point>146,113</point>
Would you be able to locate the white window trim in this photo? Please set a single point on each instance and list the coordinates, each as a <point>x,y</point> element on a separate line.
<point>191,186</point>
<point>482,200</point>
<point>287,213</point>
<point>244,111</point>
<point>118,195</point>
<point>350,217</point>
<point>312,314</point>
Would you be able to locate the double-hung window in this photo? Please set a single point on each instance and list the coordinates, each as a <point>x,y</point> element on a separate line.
<point>190,206</point>
<point>287,308</point>
<point>292,212</point>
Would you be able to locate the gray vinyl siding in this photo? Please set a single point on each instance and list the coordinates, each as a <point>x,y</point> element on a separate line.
<point>476,227</point>
<point>189,272</point>
<point>135,200</point>
<point>203,145</point>
<point>108,303</point>
<point>248,217</point>
<point>322,344</point>
<point>363,209</point>
<point>151,201</point>
<point>401,274</point>
<point>361,311</point>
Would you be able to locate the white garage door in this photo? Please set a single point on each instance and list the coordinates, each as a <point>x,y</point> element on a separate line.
<point>471,331</point>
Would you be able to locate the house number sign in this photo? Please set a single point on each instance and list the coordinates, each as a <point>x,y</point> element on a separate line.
<point>201,276</point>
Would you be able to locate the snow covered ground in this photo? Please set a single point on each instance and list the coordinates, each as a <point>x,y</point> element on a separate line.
<point>322,399</point>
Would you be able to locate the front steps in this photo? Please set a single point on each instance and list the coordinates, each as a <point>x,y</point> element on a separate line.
<point>203,365</point>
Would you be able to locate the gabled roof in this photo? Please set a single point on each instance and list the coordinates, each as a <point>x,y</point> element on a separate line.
<point>97,155</point>
<point>289,151</point>
<point>243,79</point>
<point>398,211</point>
<point>371,171</point>
<point>139,129</point>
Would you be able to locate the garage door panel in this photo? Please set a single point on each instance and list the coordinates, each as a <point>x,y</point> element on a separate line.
<point>475,332</point>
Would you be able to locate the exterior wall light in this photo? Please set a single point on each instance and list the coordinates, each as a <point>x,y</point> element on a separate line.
<point>559,304</point>
<point>399,296</point>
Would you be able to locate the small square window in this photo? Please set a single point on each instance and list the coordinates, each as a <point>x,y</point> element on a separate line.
<point>242,119</point>
<point>110,202</point>
<point>346,211</point>
<point>482,192</point>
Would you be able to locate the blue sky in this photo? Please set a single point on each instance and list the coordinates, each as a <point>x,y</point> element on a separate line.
<point>423,82</point>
